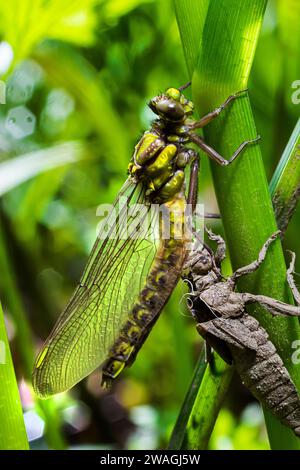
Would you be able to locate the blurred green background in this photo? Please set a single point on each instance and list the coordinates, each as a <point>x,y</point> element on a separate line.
<point>78,77</point>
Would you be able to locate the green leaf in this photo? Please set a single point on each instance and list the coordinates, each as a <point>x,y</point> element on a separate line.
<point>12,431</point>
<point>191,30</point>
<point>288,12</point>
<point>285,184</point>
<point>113,9</point>
<point>25,23</point>
<point>20,169</point>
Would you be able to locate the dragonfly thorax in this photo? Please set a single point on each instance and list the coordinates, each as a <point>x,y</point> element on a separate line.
<point>160,165</point>
<point>161,155</point>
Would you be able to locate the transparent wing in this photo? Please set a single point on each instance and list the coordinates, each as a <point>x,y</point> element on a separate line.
<point>115,273</point>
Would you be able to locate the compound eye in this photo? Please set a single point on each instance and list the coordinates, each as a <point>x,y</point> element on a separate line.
<point>170,108</point>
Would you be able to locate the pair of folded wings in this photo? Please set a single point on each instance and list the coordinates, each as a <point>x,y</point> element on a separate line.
<point>115,273</point>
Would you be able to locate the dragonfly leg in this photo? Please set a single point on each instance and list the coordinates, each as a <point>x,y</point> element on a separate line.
<point>274,306</point>
<point>214,155</point>
<point>250,268</point>
<point>212,215</point>
<point>220,253</point>
<point>291,280</point>
<point>193,183</point>
<point>183,87</point>
<point>215,113</point>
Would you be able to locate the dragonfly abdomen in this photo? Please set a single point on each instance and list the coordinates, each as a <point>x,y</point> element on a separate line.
<point>163,276</point>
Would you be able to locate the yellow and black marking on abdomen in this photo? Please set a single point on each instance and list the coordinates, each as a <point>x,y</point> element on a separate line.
<point>163,276</point>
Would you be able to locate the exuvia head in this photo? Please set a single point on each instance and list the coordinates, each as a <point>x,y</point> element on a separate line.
<point>202,262</point>
<point>172,105</point>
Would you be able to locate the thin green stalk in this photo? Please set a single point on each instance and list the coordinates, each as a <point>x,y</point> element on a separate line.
<point>12,430</point>
<point>227,48</point>
<point>183,417</point>
<point>285,184</point>
<point>207,404</point>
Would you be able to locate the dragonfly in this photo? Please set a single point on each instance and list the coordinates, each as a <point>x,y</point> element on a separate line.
<point>128,278</point>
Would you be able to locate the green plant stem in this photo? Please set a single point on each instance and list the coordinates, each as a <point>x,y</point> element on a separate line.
<point>227,48</point>
<point>183,417</point>
<point>207,404</point>
<point>12,431</point>
<point>191,30</point>
<point>285,184</point>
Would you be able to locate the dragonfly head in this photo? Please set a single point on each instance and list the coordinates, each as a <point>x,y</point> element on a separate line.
<point>172,105</point>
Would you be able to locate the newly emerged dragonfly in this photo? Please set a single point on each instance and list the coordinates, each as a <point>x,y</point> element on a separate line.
<point>128,279</point>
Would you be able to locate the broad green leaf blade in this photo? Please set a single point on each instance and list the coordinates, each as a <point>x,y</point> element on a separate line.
<point>20,169</point>
<point>12,431</point>
<point>285,184</point>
